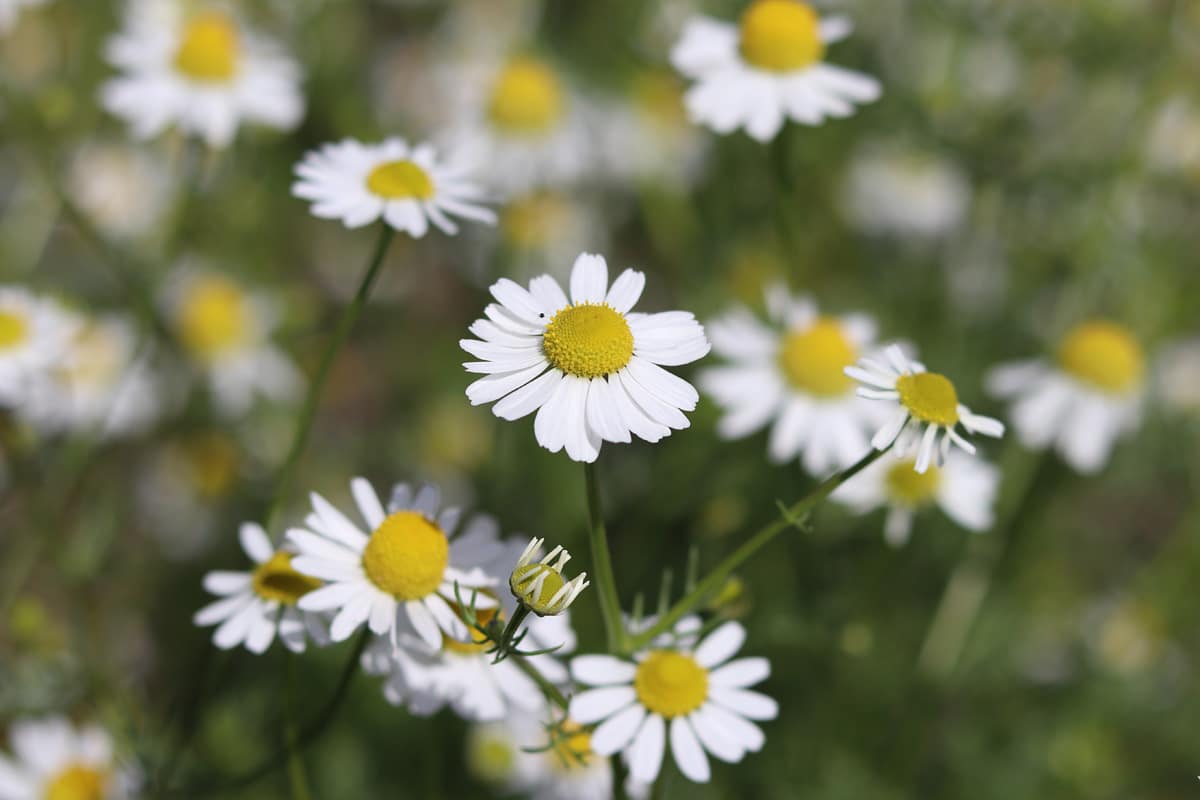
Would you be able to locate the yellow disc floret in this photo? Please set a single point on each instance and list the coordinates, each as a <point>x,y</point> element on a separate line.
<point>400,180</point>
<point>910,488</point>
<point>477,642</point>
<point>527,98</point>
<point>670,683</point>
<point>589,340</point>
<point>929,397</point>
<point>781,35</point>
<point>214,317</point>
<point>1102,354</point>
<point>275,579</point>
<point>814,360</point>
<point>406,556</point>
<point>571,746</point>
<point>77,782</point>
<point>14,329</point>
<point>209,48</point>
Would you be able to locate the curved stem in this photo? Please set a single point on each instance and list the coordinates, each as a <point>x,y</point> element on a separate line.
<point>610,605</point>
<point>551,692</point>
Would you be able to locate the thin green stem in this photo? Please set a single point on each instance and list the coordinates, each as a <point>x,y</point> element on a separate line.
<point>551,692</point>
<point>504,642</point>
<point>610,605</point>
<point>297,777</point>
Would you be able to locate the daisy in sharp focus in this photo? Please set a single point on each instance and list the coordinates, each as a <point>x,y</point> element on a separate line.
<point>256,606</point>
<point>1084,401</point>
<point>10,9</point>
<point>791,373</point>
<point>408,187</point>
<point>35,333</point>
<point>924,400</point>
<point>768,69</point>
<point>53,760</point>
<point>690,695</point>
<point>591,369</point>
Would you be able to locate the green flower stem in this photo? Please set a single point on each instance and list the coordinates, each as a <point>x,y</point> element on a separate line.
<point>297,777</point>
<point>715,579</point>
<point>504,643</point>
<point>551,692</point>
<point>610,606</point>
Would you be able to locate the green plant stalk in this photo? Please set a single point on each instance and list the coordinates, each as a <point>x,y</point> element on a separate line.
<point>551,692</point>
<point>297,777</point>
<point>504,642</point>
<point>606,585</point>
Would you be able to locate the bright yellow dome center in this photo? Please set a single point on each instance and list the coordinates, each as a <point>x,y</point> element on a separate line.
<point>14,329</point>
<point>670,683</point>
<point>477,642</point>
<point>77,782</point>
<point>571,747</point>
<point>1103,354</point>
<point>781,35</point>
<point>589,340</point>
<point>276,579</point>
<point>910,488</point>
<point>929,397</point>
<point>407,556</point>
<point>527,98</point>
<point>214,317</point>
<point>209,48</point>
<point>813,360</point>
<point>400,180</point>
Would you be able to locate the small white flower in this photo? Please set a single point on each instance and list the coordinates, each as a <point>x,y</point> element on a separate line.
<point>540,585</point>
<point>767,69</point>
<point>53,759</point>
<point>792,372</point>
<point>10,9</point>
<point>35,333</point>
<point>695,696</point>
<point>201,70</point>
<point>408,187</point>
<point>923,400</point>
<point>124,189</point>
<point>906,193</point>
<point>1082,403</point>
<point>590,368</point>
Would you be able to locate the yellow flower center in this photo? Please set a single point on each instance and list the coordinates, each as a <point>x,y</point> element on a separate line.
<point>212,460</point>
<point>527,98</point>
<point>275,579</point>
<point>14,329</point>
<point>77,782</point>
<point>209,48</point>
<point>400,180</point>
<point>214,317</point>
<point>571,746</point>
<point>910,488</point>
<point>781,35</point>
<point>522,583</point>
<point>529,222</point>
<point>590,340</point>
<point>406,556</point>
<point>670,683</point>
<point>660,96</point>
<point>1103,354</point>
<point>929,397</point>
<point>477,642</point>
<point>814,360</point>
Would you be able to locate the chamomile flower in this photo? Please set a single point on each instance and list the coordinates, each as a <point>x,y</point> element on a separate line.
<point>200,69</point>
<point>34,334</point>
<point>963,488</point>
<point>53,760</point>
<point>695,697</point>
<point>790,373</point>
<point>256,606</point>
<point>400,574</point>
<point>905,193</point>
<point>124,189</point>
<point>924,400</point>
<point>539,585</point>
<point>591,369</point>
<point>767,69</point>
<point>514,754</point>
<point>1085,400</point>
<point>408,187</point>
<point>9,9</point>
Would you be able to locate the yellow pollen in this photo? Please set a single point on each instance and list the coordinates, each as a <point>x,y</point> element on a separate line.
<point>589,340</point>
<point>670,683</point>
<point>406,556</point>
<point>478,643</point>
<point>209,49</point>
<point>929,397</point>
<point>910,488</point>
<point>1103,354</point>
<point>522,580</point>
<point>77,782</point>
<point>276,579</point>
<point>526,98</point>
<point>781,35</point>
<point>813,360</point>
<point>13,329</point>
<point>400,180</point>
<point>571,747</point>
<point>214,317</point>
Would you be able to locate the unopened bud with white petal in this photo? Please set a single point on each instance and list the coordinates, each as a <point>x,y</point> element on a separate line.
<point>540,586</point>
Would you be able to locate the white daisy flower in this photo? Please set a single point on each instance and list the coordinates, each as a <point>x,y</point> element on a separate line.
<point>924,400</point>
<point>398,576</point>
<point>907,193</point>
<point>124,189</point>
<point>408,187</point>
<point>35,333</point>
<point>10,9</point>
<point>501,753</point>
<point>695,696</point>
<point>1084,402</point>
<point>52,759</point>
<point>199,69</point>
<point>226,330</point>
<point>258,605</point>
<point>590,368</point>
<point>791,372</point>
<point>539,585</point>
<point>767,69</point>
<point>543,231</point>
<point>964,488</point>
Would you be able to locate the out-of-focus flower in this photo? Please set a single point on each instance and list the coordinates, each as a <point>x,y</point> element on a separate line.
<point>1173,141</point>
<point>923,400</point>
<point>504,753</point>
<point>122,189</point>
<point>405,186</point>
<point>199,69</point>
<point>540,586</point>
<point>592,370</point>
<point>180,488</point>
<point>256,606</point>
<point>792,372</point>
<point>1178,375</point>
<point>909,194</point>
<point>54,760</point>
<point>1083,403</point>
<point>10,9</point>
<point>545,230</point>
<point>964,488</point>
<point>34,334</point>
<point>695,696</point>
<point>648,138</point>
<point>768,69</point>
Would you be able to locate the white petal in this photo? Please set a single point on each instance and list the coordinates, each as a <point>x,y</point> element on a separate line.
<point>598,670</point>
<point>741,673</point>
<point>368,502</point>
<point>626,290</point>
<point>255,542</point>
<point>528,398</point>
<point>589,279</point>
<point>597,704</point>
<point>615,733</point>
<point>689,755</point>
<point>746,703</point>
<point>646,752</point>
<point>720,645</point>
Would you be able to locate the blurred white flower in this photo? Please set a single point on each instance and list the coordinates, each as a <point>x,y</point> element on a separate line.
<point>10,9</point>
<point>1083,403</point>
<point>35,333</point>
<point>500,753</point>
<point>52,759</point>
<point>199,69</point>
<point>590,368</point>
<point>545,230</point>
<point>905,193</point>
<point>1173,140</point>
<point>768,69</point>
<point>122,189</point>
<point>1178,375</point>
